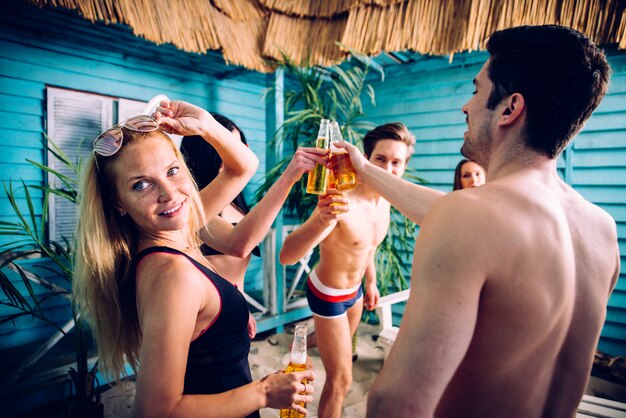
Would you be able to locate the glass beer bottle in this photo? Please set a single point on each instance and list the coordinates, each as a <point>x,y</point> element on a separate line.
<point>317,181</point>
<point>340,164</point>
<point>297,364</point>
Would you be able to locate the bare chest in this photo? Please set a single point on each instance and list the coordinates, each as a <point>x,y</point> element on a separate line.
<point>364,226</point>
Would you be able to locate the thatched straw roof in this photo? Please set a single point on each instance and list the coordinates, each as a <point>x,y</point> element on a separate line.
<point>255,33</point>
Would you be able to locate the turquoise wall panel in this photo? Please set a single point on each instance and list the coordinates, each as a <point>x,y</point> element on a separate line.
<point>428,95</point>
<point>242,102</point>
<point>40,48</point>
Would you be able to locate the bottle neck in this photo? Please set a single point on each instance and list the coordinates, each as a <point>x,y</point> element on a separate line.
<point>298,358</point>
<point>298,349</point>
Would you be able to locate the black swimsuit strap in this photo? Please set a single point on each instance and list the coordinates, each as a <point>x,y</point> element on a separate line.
<point>170,250</point>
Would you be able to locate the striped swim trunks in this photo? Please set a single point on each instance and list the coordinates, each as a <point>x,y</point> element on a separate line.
<point>327,302</point>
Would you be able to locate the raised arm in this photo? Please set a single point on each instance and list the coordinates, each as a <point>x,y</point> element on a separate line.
<point>240,163</point>
<point>239,241</point>
<point>439,320</point>
<point>321,223</point>
<point>411,199</point>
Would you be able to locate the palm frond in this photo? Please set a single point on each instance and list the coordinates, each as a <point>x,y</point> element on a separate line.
<point>27,283</point>
<point>338,93</point>
<point>19,255</point>
<point>69,182</point>
<point>11,292</point>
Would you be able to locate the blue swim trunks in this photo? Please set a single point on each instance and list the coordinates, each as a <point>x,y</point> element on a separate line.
<point>327,302</point>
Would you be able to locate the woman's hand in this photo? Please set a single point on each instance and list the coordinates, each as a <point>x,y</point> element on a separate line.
<point>182,118</point>
<point>332,206</point>
<point>283,390</point>
<point>303,161</point>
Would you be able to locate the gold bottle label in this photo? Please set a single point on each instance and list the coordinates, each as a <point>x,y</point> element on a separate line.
<point>317,182</point>
<point>290,413</point>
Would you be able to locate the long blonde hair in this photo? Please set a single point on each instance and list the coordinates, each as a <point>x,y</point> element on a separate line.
<point>103,288</point>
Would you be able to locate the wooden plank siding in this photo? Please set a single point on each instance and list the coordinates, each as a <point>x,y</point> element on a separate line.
<point>427,96</point>
<point>228,98</point>
<point>51,47</point>
<point>48,47</point>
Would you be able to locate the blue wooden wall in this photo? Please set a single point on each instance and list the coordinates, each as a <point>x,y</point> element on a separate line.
<point>44,47</point>
<point>427,96</point>
<point>41,47</point>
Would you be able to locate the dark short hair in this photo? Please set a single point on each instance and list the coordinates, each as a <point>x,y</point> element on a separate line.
<point>396,131</point>
<point>561,74</point>
<point>203,160</point>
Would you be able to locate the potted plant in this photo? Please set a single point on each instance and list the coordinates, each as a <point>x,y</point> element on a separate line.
<point>337,93</point>
<point>48,264</point>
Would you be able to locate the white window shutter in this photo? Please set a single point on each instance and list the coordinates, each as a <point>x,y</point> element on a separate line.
<point>128,108</point>
<point>75,119</point>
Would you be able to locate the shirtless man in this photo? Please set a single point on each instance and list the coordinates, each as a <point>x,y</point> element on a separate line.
<point>348,234</point>
<point>510,280</point>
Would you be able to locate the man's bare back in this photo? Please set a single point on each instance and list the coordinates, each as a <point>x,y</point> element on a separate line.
<point>510,280</point>
<point>542,302</point>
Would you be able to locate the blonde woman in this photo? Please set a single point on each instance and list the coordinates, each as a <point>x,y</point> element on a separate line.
<point>151,297</point>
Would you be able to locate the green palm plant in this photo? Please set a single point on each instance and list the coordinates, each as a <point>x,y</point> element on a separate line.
<point>47,263</point>
<point>316,93</point>
<point>336,93</point>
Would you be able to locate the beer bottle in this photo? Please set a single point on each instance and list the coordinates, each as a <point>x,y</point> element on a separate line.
<point>340,164</point>
<point>297,364</point>
<point>318,178</point>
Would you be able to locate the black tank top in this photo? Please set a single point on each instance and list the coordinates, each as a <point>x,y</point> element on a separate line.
<point>218,358</point>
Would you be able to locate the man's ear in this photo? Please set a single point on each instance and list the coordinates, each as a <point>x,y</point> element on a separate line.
<point>513,108</point>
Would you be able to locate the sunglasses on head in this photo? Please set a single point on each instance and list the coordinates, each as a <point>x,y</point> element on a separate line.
<point>110,141</point>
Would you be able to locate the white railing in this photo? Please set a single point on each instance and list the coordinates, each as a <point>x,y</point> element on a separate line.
<point>280,303</point>
<point>389,332</point>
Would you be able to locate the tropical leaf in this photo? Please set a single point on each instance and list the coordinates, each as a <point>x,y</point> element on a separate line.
<point>69,182</point>
<point>336,93</point>
<point>20,269</point>
<point>29,287</point>
<point>15,297</point>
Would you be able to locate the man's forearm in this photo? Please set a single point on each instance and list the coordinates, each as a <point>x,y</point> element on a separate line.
<point>412,200</point>
<point>304,239</point>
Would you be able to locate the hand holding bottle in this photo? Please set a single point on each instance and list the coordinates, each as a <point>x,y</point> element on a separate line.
<point>287,390</point>
<point>356,156</point>
<point>297,365</point>
<point>304,160</point>
<point>332,205</point>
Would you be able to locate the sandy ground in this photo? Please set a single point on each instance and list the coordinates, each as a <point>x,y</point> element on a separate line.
<point>271,354</point>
